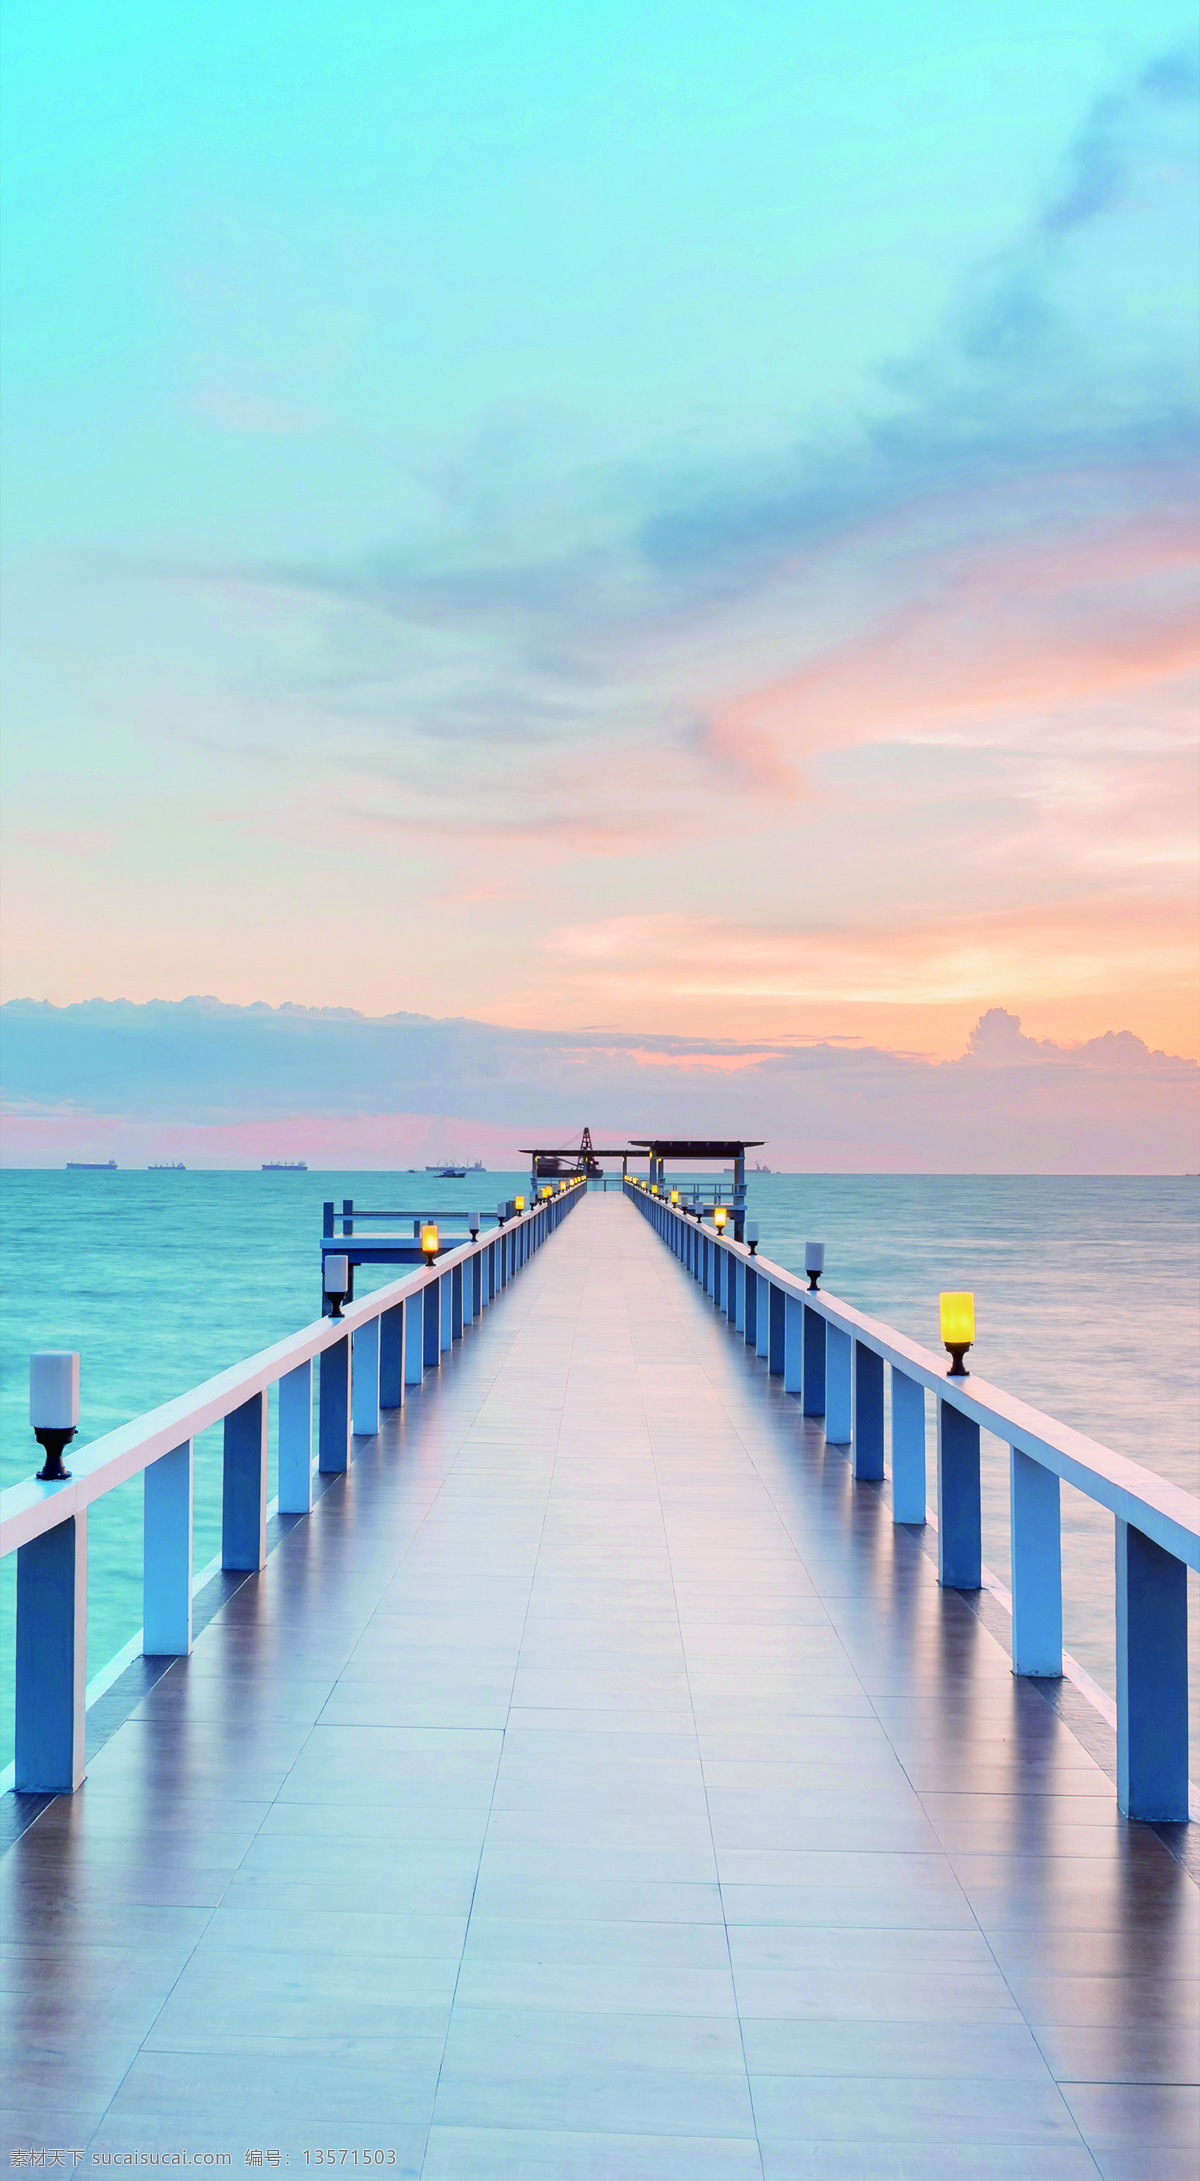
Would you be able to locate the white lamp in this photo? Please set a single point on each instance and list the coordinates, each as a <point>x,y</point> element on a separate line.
<point>54,1406</point>
<point>337,1283</point>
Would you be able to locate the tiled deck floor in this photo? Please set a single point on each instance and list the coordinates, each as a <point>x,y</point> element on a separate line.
<point>598,1786</point>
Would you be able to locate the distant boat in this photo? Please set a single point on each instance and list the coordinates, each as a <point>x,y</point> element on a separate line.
<point>285,1166</point>
<point>91,1166</point>
<point>168,1166</point>
<point>446,1172</point>
<point>761,1169</point>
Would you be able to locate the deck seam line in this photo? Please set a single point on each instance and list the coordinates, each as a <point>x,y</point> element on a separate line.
<point>503,1740</point>
<point>669,1289</point>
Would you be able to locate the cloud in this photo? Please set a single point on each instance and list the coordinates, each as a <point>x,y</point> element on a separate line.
<point>233,1083</point>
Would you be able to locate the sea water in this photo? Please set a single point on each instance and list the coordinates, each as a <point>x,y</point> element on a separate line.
<point>1087,1292</point>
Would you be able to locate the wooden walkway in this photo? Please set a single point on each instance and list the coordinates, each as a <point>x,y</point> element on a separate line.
<point>597,1785</point>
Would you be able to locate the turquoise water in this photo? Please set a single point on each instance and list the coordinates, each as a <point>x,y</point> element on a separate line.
<point>1087,1301</point>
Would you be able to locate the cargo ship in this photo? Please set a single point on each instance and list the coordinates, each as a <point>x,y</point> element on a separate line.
<point>91,1166</point>
<point>168,1166</point>
<point>285,1166</point>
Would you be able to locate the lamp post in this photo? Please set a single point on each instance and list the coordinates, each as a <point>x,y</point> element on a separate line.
<point>429,1240</point>
<point>957,1313</point>
<point>54,1407</point>
<point>336,1280</point>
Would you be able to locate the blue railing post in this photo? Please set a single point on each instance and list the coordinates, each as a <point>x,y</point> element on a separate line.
<point>244,1486</point>
<point>793,1345</point>
<point>959,1540</point>
<point>446,1310</point>
<point>732,1269</point>
<point>750,1308</point>
<point>814,1362</point>
<point>839,1394</point>
<point>868,1413</point>
<point>391,1357</point>
<point>167,1555</point>
<point>1152,1711</point>
<point>762,1317</point>
<point>476,1286</point>
<point>909,1488</point>
<point>432,1337</point>
<point>333,1409</point>
<point>777,1334</point>
<point>739,1296</point>
<point>327,1221</point>
<point>51,1659</point>
<point>1036,1531</point>
<point>456,1301</point>
<point>295,1440</point>
<point>364,1380</point>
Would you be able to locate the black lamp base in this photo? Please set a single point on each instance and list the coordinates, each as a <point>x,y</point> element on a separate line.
<point>956,1351</point>
<point>53,1440</point>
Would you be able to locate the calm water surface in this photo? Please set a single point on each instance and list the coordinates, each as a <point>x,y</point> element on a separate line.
<point>1087,1304</point>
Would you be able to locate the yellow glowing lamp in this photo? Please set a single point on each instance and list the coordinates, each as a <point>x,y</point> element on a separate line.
<point>674,1196</point>
<point>429,1239</point>
<point>719,1218</point>
<point>547,1191</point>
<point>958,1330</point>
<point>518,1204</point>
<point>654,1188</point>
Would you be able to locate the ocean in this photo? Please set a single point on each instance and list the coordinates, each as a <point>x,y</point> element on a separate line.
<point>1087,1305</point>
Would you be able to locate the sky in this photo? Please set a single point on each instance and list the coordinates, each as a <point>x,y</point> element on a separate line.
<point>668,530</point>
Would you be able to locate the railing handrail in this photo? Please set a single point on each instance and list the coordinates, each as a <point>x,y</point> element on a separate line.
<point>30,1508</point>
<point>1162,1511</point>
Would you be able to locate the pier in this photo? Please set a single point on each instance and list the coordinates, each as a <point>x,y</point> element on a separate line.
<point>585,1773</point>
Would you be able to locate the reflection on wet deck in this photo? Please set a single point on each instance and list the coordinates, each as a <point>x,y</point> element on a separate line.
<point>599,1784</point>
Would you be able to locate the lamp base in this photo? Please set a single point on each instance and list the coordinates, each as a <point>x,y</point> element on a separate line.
<point>956,1350</point>
<point>814,1283</point>
<point>53,1440</point>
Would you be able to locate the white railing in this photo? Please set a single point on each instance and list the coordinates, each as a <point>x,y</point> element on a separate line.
<point>382,1344</point>
<point>833,1357</point>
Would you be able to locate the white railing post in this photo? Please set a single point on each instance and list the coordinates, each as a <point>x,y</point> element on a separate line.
<point>295,1440</point>
<point>960,1551</point>
<point>909,1488</point>
<point>391,1357</point>
<point>51,1659</point>
<point>839,1398</point>
<point>333,1409</point>
<point>167,1555</point>
<point>244,1486</point>
<point>1036,1533</point>
<point>776,1330</point>
<point>793,1345</point>
<point>1152,1707</point>
<point>364,1380</point>
<point>868,1413</point>
<point>414,1339</point>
